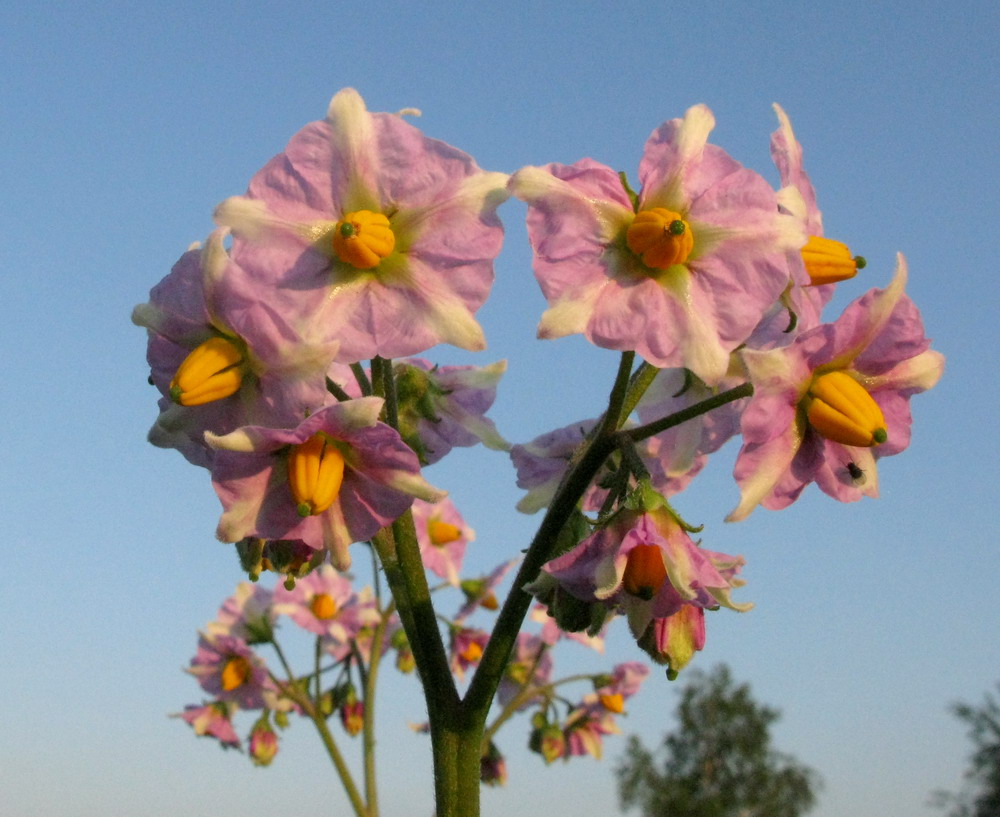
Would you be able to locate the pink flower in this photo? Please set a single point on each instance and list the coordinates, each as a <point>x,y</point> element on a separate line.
<point>277,378</point>
<point>684,275</point>
<point>443,537</point>
<point>479,592</point>
<point>247,614</point>
<point>675,456</point>
<point>542,462</point>
<point>646,566</point>
<point>441,407</point>
<point>365,476</point>
<point>230,671</point>
<point>325,603</point>
<point>466,648</point>
<point>529,666</point>
<point>585,729</point>
<point>876,347</point>
<point>214,720</point>
<point>366,228</point>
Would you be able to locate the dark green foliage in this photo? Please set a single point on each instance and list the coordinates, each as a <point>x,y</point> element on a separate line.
<point>718,762</point>
<point>980,796</point>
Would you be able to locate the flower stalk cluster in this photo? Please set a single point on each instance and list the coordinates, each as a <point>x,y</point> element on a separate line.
<point>287,353</point>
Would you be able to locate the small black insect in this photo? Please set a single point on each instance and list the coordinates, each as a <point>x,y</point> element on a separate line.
<point>856,473</point>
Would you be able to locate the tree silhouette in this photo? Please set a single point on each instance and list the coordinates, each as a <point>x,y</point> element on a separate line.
<point>980,796</point>
<point>718,762</point>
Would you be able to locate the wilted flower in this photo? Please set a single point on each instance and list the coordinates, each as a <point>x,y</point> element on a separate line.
<point>214,720</point>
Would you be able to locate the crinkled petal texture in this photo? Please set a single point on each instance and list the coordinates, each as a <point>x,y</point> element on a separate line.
<point>381,477</point>
<point>692,314</point>
<point>594,570</point>
<point>879,340</point>
<point>200,299</point>
<point>460,398</point>
<point>441,208</point>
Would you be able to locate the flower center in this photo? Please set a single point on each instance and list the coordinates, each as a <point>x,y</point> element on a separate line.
<point>660,237</point>
<point>363,238</point>
<point>235,673</point>
<point>212,371</point>
<point>442,533</point>
<point>840,409</point>
<point>472,652</point>
<point>645,572</point>
<point>323,606</point>
<point>613,702</point>
<point>315,473</point>
<point>828,261</point>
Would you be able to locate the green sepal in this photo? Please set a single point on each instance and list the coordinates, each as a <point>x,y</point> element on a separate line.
<point>632,195</point>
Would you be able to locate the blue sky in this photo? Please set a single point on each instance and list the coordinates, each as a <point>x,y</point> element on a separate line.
<point>124,125</point>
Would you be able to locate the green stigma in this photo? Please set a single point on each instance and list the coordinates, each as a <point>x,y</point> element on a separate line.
<point>304,509</point>
<point>347,229</point>
<point>860,262</point>
<point>676,227</point>
<point>880,435</point>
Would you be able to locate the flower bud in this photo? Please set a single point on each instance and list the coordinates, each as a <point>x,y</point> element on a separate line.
<point>263,743</point>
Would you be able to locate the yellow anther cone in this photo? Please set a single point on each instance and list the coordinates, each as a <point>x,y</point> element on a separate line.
<point>315,474</point>
<point>235,673</point>
<point>645,571</point>
<point>828,261</point>
<point>323,606</point>
<point>840,409</point>
<point>212,371</point>
<point>441,533</point>
<point>363,238</point>
<point>660,237</point>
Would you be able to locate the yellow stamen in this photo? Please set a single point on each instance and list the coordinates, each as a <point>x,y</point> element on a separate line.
<point>235,673</point>
<point>315,474</point>
<point>441,533</point>
<point>323,606</point>
<point>828,261</point>
<point>840,409</point>
<point>645,571</point>
<point>363,238</point>
<point>212,371</point>
<point>489,601</point>
<point>472,652</point>
<point>613,702</point>
<point>660,237</point>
